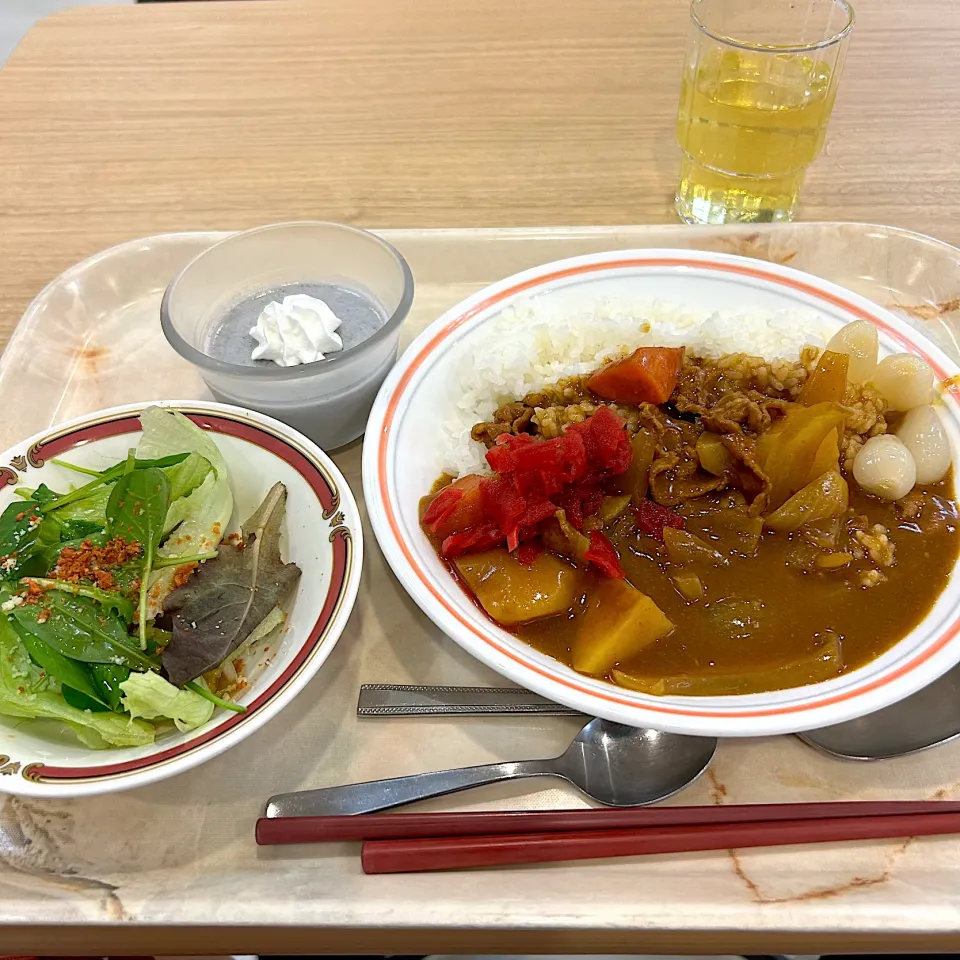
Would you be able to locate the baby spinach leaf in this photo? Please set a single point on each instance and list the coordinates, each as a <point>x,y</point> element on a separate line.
<point>43,494</point>
<point>19,536</point>
<point>81,701</point>
<point>157,638</point>
<point>69,672</point>
<point>137,507</point>
<point>26,692</point>
<point>43,556</point>
<point>95,539</point>
<point>34,547</point>
<point>107,677</point>
<point>37,552</point>
<point>225,600</point>
<point>51,531</point>
<point>128,577</point>
<point>16,527</point>
<point>77,627</point>
<point>85,491</point>
<point>78,529</point>
<point>38,557</point>
<point>108,599</point>
<point>92,509</point>
<point>136,511</point>
<point>59,501</point>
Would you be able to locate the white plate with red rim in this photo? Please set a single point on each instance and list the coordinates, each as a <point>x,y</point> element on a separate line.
<point>398,470</point>
<point>321,534</point>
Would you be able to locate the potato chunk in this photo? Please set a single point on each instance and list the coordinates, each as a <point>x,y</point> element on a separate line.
<point>512,592</point>
<point>618,623</point>
<point>788,449</point>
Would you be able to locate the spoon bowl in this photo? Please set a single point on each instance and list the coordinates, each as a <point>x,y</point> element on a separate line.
<point>616,765</point>
<point>926,719</point>
<point>622,766</point>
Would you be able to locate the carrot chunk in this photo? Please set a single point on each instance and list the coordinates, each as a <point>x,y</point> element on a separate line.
<point>648,375</point>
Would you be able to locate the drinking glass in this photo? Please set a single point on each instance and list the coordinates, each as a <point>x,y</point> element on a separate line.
<point>759,83</point>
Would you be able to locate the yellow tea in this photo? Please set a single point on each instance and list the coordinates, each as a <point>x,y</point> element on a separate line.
<point>749,125</point>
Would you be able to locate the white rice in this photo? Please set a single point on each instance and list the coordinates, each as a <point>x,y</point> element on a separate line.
<point>532,344</point>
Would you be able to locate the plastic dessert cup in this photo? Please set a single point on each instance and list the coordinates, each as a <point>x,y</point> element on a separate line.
<point>327,400</point>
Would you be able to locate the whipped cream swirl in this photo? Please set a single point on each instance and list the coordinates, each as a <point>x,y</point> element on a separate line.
<point>301,329</point>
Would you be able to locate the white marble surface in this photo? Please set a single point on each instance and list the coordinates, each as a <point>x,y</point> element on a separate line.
<point>181,854</point>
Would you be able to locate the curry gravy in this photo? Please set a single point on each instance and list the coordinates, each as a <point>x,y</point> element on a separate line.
<point>763,610</point>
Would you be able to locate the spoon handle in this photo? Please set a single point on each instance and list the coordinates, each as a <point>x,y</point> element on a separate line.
<point>383,794</point>
<point>417,700</point>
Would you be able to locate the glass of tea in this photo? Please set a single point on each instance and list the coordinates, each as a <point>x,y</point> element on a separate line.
<point>758,87</point>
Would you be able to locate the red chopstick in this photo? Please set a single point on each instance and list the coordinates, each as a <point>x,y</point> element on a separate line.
<point>465,853</point>
<point>397,826</point>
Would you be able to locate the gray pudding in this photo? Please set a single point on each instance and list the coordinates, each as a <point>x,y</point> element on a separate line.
<point>229,339</point>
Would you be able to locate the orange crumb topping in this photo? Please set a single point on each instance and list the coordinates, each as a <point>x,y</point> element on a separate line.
<point>88,562</point>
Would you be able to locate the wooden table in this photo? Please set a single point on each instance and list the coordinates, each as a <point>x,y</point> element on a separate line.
<point>123,121</point>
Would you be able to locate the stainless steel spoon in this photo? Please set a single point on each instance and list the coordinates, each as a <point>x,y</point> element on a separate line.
<point>924,720</point>
<point>616,765</point>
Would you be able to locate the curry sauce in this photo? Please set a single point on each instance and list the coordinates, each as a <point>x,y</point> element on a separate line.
<point>744,528</point>
<point>761,611</point>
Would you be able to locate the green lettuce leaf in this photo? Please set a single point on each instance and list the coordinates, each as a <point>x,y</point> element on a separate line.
<point>187,476</point>
<point>205,512</point>
<point>198,520</point>
<point>27,693</point>
<point>149,696</point>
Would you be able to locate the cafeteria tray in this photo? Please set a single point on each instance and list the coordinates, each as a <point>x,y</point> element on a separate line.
<point>182,852</point>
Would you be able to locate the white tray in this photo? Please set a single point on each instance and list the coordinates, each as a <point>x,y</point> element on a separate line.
<point>174,867</point>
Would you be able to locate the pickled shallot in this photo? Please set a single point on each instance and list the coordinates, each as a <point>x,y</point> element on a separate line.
<point>904,381</point>
<point>922,433</point>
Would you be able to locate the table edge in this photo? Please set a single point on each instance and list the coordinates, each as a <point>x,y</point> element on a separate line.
<point>166,939</point>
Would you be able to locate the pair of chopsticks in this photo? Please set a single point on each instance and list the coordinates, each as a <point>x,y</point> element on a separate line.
<point>412,843</point>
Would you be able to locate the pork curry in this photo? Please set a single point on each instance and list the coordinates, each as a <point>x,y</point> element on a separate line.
<point>688,526</point>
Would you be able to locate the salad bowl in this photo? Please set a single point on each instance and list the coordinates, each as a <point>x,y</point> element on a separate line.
<point>56,753</point>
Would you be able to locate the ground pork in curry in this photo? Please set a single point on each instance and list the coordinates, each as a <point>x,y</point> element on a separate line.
<point>737,397</point>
